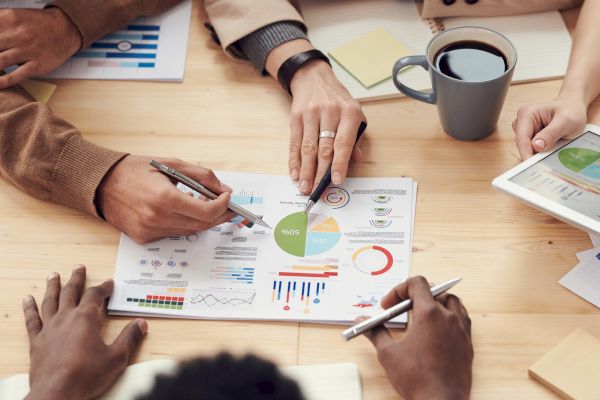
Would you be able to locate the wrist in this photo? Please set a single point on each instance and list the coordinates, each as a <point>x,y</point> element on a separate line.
<point>312,70</point>
<point>440,392</point>
<point>70,35</point>
<point>48,393</point>
<point>573,97</point>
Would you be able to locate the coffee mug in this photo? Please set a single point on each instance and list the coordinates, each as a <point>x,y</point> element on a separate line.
<point>468,109</point>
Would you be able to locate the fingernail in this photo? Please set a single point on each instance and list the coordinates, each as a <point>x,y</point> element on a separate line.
<point>226,187</point>
<point>337,178</point>
<point>143,325</point>
<point>27,299</point>
<point>295,174</point>
<point>540,143</point>
<point>51,276</point>
<point>79,268</point>
<point>304,186</point>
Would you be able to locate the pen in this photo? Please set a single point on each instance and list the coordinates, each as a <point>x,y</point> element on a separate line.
<point>198,187</point>
<point>393,311</point>
<point>326,180</point>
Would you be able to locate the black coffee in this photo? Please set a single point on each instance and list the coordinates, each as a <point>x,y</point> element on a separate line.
<point>471,61</point>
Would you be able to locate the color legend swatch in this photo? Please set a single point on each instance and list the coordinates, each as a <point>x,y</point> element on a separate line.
<point>173,300</point>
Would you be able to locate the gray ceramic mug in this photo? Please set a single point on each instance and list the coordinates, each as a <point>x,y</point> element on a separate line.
<point>467,110</point>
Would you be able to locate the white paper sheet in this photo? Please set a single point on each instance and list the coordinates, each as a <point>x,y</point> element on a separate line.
<point>354,248</point>
<point>595,238</point>
<point>584,279</point>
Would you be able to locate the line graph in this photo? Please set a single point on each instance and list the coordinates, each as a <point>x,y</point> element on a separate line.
<point>211,298</point>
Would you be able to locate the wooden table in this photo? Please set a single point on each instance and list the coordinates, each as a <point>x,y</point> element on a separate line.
<point>226,116</point>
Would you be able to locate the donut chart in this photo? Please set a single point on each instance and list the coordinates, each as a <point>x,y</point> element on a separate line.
<point>372,260</point>
<point>302,236</point>
<point>336,197</point>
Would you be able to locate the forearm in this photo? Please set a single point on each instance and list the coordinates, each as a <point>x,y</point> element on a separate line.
<point>46,157</point>
<point>582,80</point>
<point>96,19</point>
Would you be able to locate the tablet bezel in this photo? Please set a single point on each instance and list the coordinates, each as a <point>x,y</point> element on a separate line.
<point>540,202</point>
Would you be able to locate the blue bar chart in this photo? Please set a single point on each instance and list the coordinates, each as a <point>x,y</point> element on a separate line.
<point>149,48</point>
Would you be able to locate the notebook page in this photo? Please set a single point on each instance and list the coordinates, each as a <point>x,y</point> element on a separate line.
<point>327,381</point>
<point>337,22</point>
<point>542,41</point>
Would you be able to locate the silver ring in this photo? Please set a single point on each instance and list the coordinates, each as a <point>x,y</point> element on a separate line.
<point>327,134</point>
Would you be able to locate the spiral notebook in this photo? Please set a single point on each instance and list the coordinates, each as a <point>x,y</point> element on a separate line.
<point>542,40</point>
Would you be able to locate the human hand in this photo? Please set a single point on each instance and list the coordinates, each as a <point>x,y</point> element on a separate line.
<point>321,103</point>
<point>538,127</point>
<point>69,359</point>
<point>433,359</point>
<point>142,202</point>
<point>38,40</point>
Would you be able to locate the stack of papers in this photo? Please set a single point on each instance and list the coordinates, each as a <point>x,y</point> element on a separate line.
<point>329,267</point>
<point>584,279</point>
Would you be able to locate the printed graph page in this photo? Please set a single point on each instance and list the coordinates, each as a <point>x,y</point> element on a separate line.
<point>146,49</point>
<point>331,266</point>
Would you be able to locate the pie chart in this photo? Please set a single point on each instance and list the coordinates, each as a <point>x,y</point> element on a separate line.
<point>301,235</point>
<point>582,161</point>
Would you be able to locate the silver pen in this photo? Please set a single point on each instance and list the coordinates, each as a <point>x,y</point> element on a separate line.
<point>393,312</point>
<point>198,187</point>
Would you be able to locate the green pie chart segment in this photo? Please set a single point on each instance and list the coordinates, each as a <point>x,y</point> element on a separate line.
<point>577,159</point>
<point>300,235</point>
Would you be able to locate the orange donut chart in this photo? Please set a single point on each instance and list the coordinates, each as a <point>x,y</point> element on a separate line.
<point>367,269</point>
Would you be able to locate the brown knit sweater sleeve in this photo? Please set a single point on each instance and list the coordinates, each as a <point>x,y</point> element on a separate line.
<point>95,19</point>
<point>46,157</point>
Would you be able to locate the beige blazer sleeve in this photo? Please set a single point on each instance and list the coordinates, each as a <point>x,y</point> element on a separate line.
<point>235,19</point>
<point>489,8</point>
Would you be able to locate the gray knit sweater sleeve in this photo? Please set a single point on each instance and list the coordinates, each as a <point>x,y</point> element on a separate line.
<point>257,45</point>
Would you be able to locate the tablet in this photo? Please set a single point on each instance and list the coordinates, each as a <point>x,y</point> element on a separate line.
<point>563,182</point>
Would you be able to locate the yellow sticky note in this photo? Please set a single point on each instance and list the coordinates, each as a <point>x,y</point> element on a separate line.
<point>41,91</point>
<point>572,368</point>
<point>370,58</point>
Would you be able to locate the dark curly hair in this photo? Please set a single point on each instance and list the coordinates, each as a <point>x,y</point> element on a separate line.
<point>225,377</point>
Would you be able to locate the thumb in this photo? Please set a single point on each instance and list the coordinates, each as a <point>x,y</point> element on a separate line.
<point>547,137</point>
<point>130,338</point>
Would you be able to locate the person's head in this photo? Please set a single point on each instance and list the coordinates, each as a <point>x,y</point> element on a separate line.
<point>225,377</point>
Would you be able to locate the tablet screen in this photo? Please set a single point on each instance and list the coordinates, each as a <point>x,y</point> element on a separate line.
<point>569,176</point>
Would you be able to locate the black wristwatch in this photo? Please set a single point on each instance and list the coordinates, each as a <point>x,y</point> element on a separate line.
<point>290,66</point>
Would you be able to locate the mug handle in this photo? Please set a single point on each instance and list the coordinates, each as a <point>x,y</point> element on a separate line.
<point>415,94</point>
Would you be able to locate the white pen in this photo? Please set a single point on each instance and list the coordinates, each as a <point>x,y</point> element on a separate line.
<point>393,312</point>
